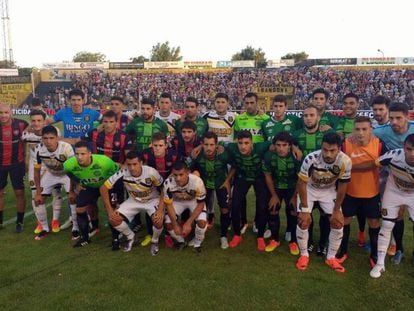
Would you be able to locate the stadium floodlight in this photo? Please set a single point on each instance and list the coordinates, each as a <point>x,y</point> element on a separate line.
<point>380,51</point>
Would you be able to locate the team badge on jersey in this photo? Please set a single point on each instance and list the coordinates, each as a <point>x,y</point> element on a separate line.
<point>384,212</point>
<point>97,173</point>
<point>116,144</point>
<point>96,167</point>
<point>62,157</point>
<point>16,132</point>
<point>148,180</point>
<point>231,119</point>
<point>86,118</point>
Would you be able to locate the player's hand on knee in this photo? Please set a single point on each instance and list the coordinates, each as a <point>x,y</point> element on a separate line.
<point>38,199</point>
<point>337,220</point>
<point>157,218</point>
<point>273,203</point>
<point>177,230</point>
<point>186,229</point>
<point>304,220</point>
<point>114,217</point>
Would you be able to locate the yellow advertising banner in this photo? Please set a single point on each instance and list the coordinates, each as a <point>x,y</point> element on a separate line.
<point>268,91</point>
<point>14,94</point>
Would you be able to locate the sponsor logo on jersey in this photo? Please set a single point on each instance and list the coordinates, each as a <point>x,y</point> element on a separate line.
<point>16,132</point>
<point>96,167</point>
<point>97,173</point>
<point>335,169</point>
<point>62,157</point>
<point>357,155</point>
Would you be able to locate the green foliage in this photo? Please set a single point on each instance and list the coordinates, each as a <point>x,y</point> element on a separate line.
<point>249,53</point>
<point>140,59</point>
<point>298,57</point>
<point>84,56</point>
<point>162,52</point>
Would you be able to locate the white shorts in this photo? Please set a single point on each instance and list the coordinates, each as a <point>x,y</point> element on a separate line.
<point>325,197</point>
<point>131,207</point>
<point>181,206</point>
<point>393,199</point>
<point>48,182</point>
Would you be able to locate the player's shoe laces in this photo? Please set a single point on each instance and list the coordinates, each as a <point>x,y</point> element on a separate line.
<point>55,225</point>
<point>224,243</point>
<point>267,234</point>
<point>75,235</point>
<point>294,248</point>
<point>67,224</point>
<point>361,238</point>
<point>392,250</point>
<point>154,250</point>
<point>38,228</point>
<point>244,228</point>
<point>235,241</point>
<point>115,245</point>
<point>398,257</point>
<point>261,244</point>
<point>302,263</point>
<point>146,241</point>
<point>19,227</point>
<point>128,244</point>
<point>42,234</point>
<point>342,257</point>
<point>377,271</point>
<point>81,243</point>
<point>288,236</point>
<point>272,246</point>
<point>335,265</point>
<point>169,243</point>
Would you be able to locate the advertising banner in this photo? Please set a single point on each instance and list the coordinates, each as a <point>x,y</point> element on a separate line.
<point>164,65</point>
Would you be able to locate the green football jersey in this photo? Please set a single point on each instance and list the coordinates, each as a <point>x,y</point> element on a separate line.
<point>142,131</point>
<point>345,125</point>
<point>271,127</point>
<point>253,124</point>
<point>309,142</point>
<point>201,124</point>
<point>330,119</point>
<point>284,170</point>
<point>212,172</point>
<point>94,175</point>
<point>248,167</point>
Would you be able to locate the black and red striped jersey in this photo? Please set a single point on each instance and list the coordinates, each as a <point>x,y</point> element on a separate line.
<point>113,146</point>
<point>122,122</point>
<point>162,165</point>
<point>184,149</point>
<point>12,149</point>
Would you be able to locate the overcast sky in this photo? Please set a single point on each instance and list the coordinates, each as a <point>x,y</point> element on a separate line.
<point>54,30</point>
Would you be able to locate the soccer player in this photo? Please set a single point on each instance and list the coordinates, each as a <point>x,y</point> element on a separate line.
<point>118,106</point>
<point>77,120</point>
<point>32,136</point>
<point>191,114</point>
<point>188,139</point>
<point>141,183</point>
<point>394,135</point>
<point>88,172</point>
<point>247,162</point>
<point>320,172</point>
<point>213,171</point>
<point>164,113</point>
<point>319,100</point>
<point>50,155</point>
<point>142,128</point>
<point>183,191</point>
<point>363,201</point>
<point>350,109</point>
<point>398,191</point>
<point>380,109</point>
<point>251,120</point>
<point>281,169</point>
<point>12,161</point>
<point>221,121</point>
<point>280,121</point>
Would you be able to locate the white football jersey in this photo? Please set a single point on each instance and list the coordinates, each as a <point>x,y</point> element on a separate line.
<point>170,120</point>
<point>401,174</point>
<point>322,175</point>
<point>53,161</point>
<point>193,190</point>
<point>222,125</point>
<point>141,188</point>
<point>32,140</point>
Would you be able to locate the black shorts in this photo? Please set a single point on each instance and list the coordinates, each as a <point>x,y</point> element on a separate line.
<point>87,196</point>
<point>16,172</point>
<point>368,207</point>
<point>222,198</point>
<point>286,195</point>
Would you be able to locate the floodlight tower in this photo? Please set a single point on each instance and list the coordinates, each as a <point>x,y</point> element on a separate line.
<point>5,19</point>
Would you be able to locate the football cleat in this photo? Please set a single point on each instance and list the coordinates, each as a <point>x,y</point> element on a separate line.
<point>154,249</point>
<point>294,248</point>
<point>335,265</point>
<point>272,246</point>
<point>55,225</point>
<point>235,241</point>
<point>377,271</point>
<point>224,243</point>
<point>302,263</point>
<point>42,234</point>
<point>146,241</point>
<point>38,228</point>
<point>75,235</point>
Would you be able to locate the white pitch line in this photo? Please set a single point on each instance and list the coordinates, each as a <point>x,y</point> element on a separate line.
<point>13,220</point>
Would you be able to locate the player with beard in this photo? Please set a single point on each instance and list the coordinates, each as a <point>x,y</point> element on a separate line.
<point>164,113</point>
<point>221,121</point>
<point>350,109</point>
<point>323,178</point>
<point>319,100</point>
<point>191,114</point>
<point>142,128</point>
<point>188,139</point>
<point>380,110</point>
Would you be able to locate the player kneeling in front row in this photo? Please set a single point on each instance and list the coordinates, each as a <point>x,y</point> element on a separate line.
<point>399,191</point>
<point>319,173</point>
<point>51,154</point>
<point>141,183</point>
<point>183,191</point>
